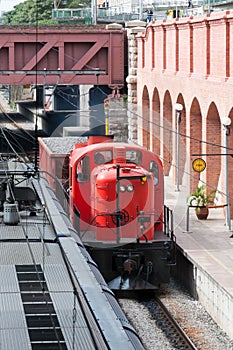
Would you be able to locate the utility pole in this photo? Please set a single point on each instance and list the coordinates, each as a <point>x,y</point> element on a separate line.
<point>94,12</point>
<point>226,122</point>
<point>140,10</point>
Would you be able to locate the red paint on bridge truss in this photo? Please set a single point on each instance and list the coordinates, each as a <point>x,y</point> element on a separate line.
<point>51,54</point>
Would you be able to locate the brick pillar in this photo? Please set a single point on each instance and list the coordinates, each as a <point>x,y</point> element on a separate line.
<point>133,28</point>
<point>195,144</point>
<point>167,153</point>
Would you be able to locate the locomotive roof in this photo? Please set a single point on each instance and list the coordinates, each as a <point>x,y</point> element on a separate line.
<point>109,145</point>
<point>63,145</point>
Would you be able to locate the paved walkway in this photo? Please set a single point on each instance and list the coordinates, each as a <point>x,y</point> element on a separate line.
<point>208,243</point>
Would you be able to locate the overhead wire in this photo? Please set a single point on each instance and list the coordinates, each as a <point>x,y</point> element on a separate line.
<point>36,169</point>
<point>168,128</point>
<point>12,146</point>
<point>172,131</point>
<point>133,112</point>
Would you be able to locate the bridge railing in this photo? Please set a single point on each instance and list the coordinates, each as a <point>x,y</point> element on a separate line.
<point>113,14</point>
<point>85,16</point>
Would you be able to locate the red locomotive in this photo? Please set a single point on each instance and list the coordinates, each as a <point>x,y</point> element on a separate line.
<point>117,201</point>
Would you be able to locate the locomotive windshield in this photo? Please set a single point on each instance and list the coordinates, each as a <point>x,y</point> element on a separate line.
<point>83,169</point>
<point>154,169</point>
<point>103,156</point>
<point>133,156</point>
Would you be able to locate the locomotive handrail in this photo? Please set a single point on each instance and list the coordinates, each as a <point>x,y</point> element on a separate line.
<point>168,222</point>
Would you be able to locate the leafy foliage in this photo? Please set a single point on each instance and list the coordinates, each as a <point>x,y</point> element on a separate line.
<point>30,12</point>
<point>36,11</point>
<point>200,198</point>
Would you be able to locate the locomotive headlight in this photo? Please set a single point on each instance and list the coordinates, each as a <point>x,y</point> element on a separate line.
<point>122,188</point>
<point>130,188</point>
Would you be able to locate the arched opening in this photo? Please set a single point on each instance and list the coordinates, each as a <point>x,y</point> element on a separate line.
<point>156,129</point>
<point>167,133</point>
<point>145,118</point>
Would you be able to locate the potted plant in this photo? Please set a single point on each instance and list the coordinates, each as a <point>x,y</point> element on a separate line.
<point>200,200</point>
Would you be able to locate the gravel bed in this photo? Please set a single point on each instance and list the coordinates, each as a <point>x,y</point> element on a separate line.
<point>194,319</point>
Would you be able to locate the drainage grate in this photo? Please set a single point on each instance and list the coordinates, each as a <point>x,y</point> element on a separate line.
<point>42,322</point>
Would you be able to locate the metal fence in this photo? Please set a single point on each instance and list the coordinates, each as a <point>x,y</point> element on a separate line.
<point>114,15</point>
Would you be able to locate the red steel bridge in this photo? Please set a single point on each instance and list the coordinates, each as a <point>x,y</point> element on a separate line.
<point>56,54</point>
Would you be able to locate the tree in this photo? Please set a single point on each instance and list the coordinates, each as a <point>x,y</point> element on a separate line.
<point>37,11</point>
<point>30,12</point>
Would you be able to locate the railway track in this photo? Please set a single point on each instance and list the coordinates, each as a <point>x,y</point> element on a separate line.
<point>174,332</point>
<point>156,319</point>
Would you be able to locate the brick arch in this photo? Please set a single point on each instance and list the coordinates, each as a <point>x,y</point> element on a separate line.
<point>167,133</point>
<point>212,132</point>
<point>195,140</point>
<point>156,122</point>
<point>182,138</point>
<point>145,118</point>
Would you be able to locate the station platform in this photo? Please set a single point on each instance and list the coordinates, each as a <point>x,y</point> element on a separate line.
<point>208,246</point>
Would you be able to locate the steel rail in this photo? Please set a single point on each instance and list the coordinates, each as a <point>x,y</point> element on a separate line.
<point>187,343</point>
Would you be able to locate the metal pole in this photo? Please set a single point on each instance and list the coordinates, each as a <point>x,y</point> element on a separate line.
<point>228,214</point>
<point>140,10</point>
<point>187,221</point>
<point>178,117</point>
<point>118,203</point>
<point>94,12</point>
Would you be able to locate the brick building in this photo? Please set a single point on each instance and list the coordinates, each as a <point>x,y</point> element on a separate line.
<point>187,61</point>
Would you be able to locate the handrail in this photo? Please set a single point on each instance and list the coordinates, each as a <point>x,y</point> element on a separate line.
<point>197,206</point>
<point>168,222</point>
<point>117,14</point>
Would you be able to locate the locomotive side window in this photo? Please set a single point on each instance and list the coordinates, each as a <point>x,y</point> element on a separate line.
<point>102,157</point>
<point>83,169</point>
<point>133,156</point>
<point>154,169</point>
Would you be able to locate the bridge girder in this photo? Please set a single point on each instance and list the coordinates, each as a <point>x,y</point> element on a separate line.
<point>79,55</point>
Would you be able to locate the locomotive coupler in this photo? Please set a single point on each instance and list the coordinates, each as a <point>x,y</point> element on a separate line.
<point>129,265</point>
<point>126,263</point>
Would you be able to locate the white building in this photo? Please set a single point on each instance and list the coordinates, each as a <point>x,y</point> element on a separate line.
<point>128,6</point>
